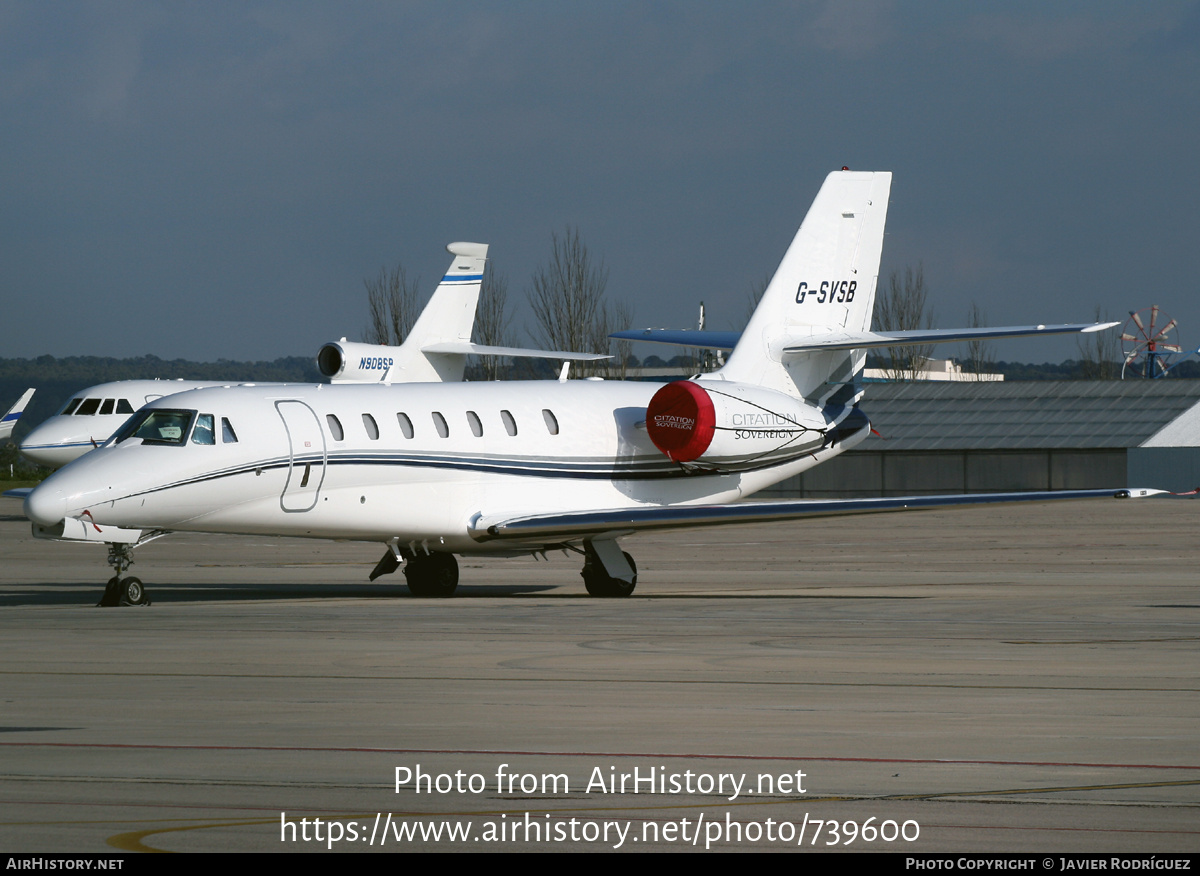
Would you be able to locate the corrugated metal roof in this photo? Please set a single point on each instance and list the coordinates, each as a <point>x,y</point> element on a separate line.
<point>1024,415</point>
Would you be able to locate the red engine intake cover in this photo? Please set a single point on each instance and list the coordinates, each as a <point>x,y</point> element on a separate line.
<point>680,420</point>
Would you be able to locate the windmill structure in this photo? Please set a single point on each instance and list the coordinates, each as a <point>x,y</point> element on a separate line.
<point>1148,342</point>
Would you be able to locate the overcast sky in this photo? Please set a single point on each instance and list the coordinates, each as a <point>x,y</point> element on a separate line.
<point>215,180</point>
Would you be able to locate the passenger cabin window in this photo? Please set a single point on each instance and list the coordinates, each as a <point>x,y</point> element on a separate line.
<point>107,406</point>
<point>439,423</point>
<point>88,408</point>
<point>405,424</point>
<point>124,407</point>
<point>371,426</point>
<point>510,425</point>
<point>204,433</point>
<point>551,421</point>
<point>335,427</point>
<point>228,436</point>
<point>475,423</point>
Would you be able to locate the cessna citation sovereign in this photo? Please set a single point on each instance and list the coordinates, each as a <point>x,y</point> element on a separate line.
<point>432,470</point>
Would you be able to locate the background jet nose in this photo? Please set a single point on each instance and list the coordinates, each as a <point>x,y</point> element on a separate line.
<point>46,505</point>
<point>54,447</point>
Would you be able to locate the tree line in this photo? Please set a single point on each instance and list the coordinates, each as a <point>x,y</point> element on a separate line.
<point>567,298</point>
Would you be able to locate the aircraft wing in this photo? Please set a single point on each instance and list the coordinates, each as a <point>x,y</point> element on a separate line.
<point>624,521</point>
<point>18,493</point>
<point>861,340</point>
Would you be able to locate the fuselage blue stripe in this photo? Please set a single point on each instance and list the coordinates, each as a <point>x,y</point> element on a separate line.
<point>462,278</point>
<point>59,446</point>
<point>514,468</point>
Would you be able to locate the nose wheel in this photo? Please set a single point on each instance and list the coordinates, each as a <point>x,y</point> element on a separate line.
<point>118,590</point>
<point>123,591</point>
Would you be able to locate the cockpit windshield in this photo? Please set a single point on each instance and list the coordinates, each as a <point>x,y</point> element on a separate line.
<point>157,426</point>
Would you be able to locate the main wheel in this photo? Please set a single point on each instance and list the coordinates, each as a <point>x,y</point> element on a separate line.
<point>133,592</point>
<point>432,575</point>
<point>599,583</point>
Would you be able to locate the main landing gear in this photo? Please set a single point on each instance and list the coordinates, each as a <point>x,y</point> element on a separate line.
<point>430,574</point>
<point>118,590</point>
<point>434,574</point>
<point>604,574</point>
<point>608,571</point>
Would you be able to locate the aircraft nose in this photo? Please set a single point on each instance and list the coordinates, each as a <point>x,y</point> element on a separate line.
<point>51,447</point>
<point>46,505</point>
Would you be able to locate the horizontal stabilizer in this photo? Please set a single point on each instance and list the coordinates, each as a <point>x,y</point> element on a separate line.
<point>682,338</point>
<point>467,349</point>
<point>622,521</point>
<point>843,340</point>
<point>861,340</point>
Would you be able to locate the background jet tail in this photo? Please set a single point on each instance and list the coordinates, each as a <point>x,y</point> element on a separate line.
<point>431,352</point>
<point>9,420</point>
<point>825,283</point>
<point>449,317</point>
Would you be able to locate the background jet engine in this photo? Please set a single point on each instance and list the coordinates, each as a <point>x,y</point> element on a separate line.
<point>722,426</point>
<point>347,362</point>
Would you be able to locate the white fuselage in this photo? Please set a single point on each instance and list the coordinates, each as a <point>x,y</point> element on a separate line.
<point>414,462</point>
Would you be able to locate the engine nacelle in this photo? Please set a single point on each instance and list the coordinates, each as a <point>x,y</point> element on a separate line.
<point>725,426</point>
<point>347,362</point>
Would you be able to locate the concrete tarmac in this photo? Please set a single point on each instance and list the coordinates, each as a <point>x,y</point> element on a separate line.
<point>993,679</point>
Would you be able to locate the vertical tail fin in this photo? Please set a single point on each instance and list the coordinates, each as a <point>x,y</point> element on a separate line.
<point>447,320</point>
<point>448,317</point>
<point>825,283</point>
<point>9,420</point>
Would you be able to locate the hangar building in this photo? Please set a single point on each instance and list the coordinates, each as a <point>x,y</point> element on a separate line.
<point>967,437</point>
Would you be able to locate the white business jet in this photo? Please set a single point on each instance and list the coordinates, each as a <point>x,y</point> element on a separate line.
<point>436,349</point>
<point>432,470</point>
<point>9,421</point>
<point>91,416</point>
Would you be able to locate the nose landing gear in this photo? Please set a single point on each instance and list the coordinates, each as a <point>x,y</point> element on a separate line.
<point>118,590</point>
